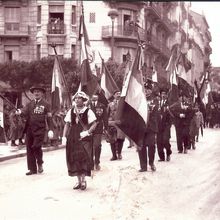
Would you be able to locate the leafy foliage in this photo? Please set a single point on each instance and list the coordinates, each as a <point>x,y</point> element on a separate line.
<point>22,75</point>
<point>117,71</point>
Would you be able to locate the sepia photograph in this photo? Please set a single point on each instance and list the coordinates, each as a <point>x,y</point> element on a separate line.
<point>109,110</point>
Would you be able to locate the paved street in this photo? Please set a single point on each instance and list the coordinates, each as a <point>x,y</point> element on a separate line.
<point>187,187</point>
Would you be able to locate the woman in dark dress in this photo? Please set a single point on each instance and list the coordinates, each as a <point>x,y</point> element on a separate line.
<point>80,122</point>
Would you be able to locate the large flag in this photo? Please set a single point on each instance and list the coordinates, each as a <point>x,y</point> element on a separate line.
<point>173,95</point>
<point>183,66</point>
<point>107,82</point>
<point>206,94</point>
<point>154,74</point>
<point>89,82</point>
<point>59,91</point>
<point>132,112</point>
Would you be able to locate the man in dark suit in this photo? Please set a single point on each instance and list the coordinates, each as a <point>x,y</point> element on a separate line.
<point>183,114</point>
<point>147,151</point>
<point>38,113</point>
<point>164,125</point>
<point>102,123</point>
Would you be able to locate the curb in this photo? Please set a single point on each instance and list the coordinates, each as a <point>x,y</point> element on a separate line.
<point>22,154</point>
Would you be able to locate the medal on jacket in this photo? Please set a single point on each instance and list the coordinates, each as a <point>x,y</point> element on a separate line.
<point>39,109</point>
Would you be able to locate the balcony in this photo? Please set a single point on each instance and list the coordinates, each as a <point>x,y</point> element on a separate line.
<point>56,32</point>
<point>15,30</point>
<point>56,28</point>
<point>122,32</point>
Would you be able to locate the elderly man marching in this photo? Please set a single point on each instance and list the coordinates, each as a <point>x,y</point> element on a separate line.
<point>80,122</point>
<point>37,114</point>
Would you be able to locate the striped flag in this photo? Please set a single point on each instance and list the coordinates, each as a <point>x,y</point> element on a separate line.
<point>132,112</point>
<point>173,95</point>
<point>107,82</point>
<point>89,82</point>
<point>59,92</point>
<point>154,74</point>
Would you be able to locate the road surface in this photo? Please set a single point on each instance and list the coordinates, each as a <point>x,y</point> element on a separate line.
<point>187,187</point>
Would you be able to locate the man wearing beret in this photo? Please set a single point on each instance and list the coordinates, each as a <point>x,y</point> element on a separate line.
<point>38,115</point>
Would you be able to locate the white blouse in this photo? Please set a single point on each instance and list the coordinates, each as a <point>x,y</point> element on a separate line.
<point>91,115</point>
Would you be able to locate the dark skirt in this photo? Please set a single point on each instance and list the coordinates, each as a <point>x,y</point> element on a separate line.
<point>78,154</point>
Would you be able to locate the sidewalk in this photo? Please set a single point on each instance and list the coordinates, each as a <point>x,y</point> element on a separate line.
<point>7,152</point>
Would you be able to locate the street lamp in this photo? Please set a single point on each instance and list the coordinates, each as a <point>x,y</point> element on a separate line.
<point>112,14</point>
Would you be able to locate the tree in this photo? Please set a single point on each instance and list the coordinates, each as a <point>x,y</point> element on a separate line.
<point>21,75</point>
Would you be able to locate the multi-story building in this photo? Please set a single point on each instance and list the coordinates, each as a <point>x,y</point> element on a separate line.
<point>17,30</point>
<point>200,51</point>
<point>28,28</point>
<point>57,23</point>
<point>215,79</point>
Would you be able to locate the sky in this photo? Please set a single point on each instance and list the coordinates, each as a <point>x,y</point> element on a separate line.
<point>211,10</point>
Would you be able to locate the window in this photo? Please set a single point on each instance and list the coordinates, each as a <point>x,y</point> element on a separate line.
<point>8,56</point>
<point>39,14</point>
<point>56,19</point>
<point>73,51</point>
<point>38,51</point>
<point>92,17</point>
<point>11,53</point>
<point>73,14</point>
<point>12,18</point>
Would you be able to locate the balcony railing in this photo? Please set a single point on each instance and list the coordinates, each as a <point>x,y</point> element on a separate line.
<point>56,27</point>
<point>121,31</point>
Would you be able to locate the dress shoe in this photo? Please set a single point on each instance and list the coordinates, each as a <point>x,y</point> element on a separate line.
<point>153,168</point>
<point>185,151</point>
<point>40,169</point>
<point>77,186</point>
<point>180,152</point>
<point>119,156</point>
<point>97,167</point>
<point>143,170</point>
<point>168,158</point>
<point>83,185</point>
<point>113,158</point>
<point>161,160</point>
<point>31,173</point>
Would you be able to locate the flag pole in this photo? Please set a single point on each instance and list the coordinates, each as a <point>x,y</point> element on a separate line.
<point>9,102</point>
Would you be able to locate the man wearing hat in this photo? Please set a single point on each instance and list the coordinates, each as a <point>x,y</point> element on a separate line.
<point>164,127</point>
<point>38,115</point>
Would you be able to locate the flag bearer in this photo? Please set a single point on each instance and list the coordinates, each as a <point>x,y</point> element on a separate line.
<point>148,150</point>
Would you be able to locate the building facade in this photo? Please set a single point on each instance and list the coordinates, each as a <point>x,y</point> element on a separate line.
<point>28,28</point>
<point>17,30</point>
